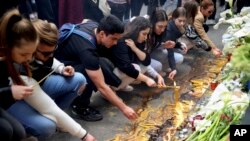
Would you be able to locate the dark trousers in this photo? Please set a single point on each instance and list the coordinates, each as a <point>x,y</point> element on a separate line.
<point>241,4</point>
<point>45,11</point>
<point>222,2</point>
<point>179,3</point>
<point>92,11</point>
<point>110,79</point>
<point>135,8</point>
<point>118,9</point>
<point>43,8</point>
<point>10,128</point>
<point>214,13</point>
<point>152,5</point>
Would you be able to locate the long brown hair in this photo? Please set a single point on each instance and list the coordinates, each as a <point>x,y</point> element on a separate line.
<point>158,15</point>
<point>133,28</point>
<point>14,31</point>
<point>47,31</point>
<point>192,9</point>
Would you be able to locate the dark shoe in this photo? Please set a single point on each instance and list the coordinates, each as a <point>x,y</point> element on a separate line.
<point>86,113</point>
<point>31,138</point>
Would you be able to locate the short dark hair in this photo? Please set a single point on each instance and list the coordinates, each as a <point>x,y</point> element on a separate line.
<point>111,25</point>
<point>206,3</point>
<point>133,28</point>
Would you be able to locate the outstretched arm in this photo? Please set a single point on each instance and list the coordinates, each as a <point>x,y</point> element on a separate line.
<point>98,79</point>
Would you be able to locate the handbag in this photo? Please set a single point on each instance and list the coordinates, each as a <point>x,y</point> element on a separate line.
<point>100,4</point>
<point>104,7</point>
<point>191,32</point>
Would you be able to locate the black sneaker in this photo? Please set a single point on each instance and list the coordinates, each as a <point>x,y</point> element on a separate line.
<point>86,113</point>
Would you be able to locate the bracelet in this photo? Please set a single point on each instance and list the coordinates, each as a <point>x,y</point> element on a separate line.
<point>83,138</point>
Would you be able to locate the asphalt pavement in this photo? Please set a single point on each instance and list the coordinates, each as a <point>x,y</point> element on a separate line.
<point>114,122</point>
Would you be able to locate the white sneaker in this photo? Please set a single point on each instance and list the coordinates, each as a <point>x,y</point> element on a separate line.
<point>128,88</point>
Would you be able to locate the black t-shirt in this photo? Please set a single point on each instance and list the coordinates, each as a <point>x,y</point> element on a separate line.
<point>154,41</point>
<point>6,97</point>
<point>84,55</point>
<point>77,51</point>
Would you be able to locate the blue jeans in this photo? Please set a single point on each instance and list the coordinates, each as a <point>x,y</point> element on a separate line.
<point>160,56</point>
<point>60,88</point>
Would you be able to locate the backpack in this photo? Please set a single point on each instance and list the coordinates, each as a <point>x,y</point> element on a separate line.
<point>67,29</point>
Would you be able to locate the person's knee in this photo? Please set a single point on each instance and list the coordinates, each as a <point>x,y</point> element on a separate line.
<point>42,129</point>
<point>137,67</point>
<point>158,67</point>
<point>179,59</point>
<point>80,82</point>
<point>19,132</point>
<point>80,78</point>
<point>6,130</point>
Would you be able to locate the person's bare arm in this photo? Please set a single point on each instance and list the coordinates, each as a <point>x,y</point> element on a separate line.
<point>140,54</point>
<point>98,79</point>
<point>150,82</point>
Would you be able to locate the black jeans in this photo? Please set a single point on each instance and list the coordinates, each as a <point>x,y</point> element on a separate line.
<point>212,17</point>
<point>118,10</point>
<point>136,6</point>
<point>10,128</point>
<point>110,78</point>
<point>152,4</point>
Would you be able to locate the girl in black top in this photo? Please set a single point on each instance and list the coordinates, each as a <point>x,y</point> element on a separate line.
<point>175,29</point>
<point>15,46</point>
<point>18,42</point>
<point>129,56</point>
<point>158,44</point>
